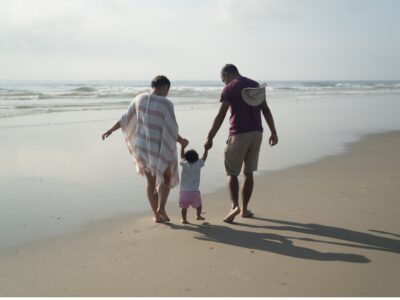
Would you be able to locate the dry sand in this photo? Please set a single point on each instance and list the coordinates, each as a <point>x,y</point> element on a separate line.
<point>328,228</point>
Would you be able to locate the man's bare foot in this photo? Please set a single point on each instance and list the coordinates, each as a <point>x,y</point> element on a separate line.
<point>247,214</point>
<point>156,219</point>
<point>184,222</point>
<point>200,218</point>
<point>232,214</point>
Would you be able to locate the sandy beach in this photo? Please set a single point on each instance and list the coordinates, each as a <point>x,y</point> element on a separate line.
<point>327,228</point>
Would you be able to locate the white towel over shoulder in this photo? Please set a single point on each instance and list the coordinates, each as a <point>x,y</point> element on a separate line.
<point>151,131</point>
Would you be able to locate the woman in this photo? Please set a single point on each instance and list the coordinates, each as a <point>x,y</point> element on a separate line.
<point>151,133</point>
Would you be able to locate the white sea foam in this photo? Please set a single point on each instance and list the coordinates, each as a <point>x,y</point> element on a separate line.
<point>32,97</point>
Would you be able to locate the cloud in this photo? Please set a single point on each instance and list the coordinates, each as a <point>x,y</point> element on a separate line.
<point>242,12</point>
<point>79,26</point>
<point>106,38</point>
<point>246,12</point>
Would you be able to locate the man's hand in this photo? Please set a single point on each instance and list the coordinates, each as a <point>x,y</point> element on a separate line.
<point>208,145</point>
<point>106,134</point>
<point>273,139</point>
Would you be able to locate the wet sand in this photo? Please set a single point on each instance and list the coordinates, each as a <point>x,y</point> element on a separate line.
<point>327,228</point>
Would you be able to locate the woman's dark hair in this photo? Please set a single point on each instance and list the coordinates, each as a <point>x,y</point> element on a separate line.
<point>191,156</point>
<point>160,80</point>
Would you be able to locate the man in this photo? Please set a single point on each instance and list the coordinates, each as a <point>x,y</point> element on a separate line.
<point>245,136</point>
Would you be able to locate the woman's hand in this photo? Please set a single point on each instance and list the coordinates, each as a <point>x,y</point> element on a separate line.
<point>111,130</point>
<point>184,143</point>
<point>106,134</point>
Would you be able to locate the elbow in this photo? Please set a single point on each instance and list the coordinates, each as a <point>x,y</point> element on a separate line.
<point>267,113</point>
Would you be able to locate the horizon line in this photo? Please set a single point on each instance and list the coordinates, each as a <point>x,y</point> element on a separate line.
<point>214,80</point>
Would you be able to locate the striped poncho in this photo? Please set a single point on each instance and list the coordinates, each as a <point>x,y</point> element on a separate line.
<point>151,132</point>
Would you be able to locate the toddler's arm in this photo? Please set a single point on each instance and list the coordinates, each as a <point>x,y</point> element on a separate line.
<point>182,152</point>
<point>205,154</point>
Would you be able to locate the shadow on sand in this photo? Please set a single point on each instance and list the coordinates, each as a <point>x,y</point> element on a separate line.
<point>270,241</point>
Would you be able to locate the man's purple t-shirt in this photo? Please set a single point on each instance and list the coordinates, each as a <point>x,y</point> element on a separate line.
<point>244,118</point>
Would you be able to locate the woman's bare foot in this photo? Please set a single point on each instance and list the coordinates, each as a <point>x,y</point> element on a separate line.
<point>163,215</point>
<point>200,218</point>
<point>232,214</point>
<point>184,222</point>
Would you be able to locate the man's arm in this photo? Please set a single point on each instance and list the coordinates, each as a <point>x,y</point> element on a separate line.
<point>273,140</point>
<point>219,119</point>
<point>111,130</point>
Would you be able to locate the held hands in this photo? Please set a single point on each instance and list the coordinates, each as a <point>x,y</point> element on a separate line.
<point>208,144</point>
<point>273,139</point>
<point>184,143</point>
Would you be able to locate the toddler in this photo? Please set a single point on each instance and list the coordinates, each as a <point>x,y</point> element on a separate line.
<point>190,181</point>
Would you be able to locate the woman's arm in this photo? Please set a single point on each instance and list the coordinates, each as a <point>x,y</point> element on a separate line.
<point>111,130</point>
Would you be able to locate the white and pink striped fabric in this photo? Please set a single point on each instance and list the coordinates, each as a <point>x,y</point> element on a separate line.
<point>151,131</point>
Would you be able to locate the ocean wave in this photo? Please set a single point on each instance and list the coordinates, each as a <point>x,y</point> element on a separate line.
<point>41,111</point>
<point>185,90</point>
<point>85,89</point>
<point>87,94</point>
<point>335,86</point>
<point>25,97</point>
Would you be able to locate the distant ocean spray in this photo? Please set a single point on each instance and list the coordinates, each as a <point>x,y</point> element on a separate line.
<point>35,97</point>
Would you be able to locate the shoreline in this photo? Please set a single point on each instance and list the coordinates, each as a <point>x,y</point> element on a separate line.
<point>71,177</point>
<point>173,204</point>
<point>337,239</point>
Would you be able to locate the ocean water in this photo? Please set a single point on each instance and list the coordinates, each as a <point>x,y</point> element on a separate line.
<point>57,174</point>
<point>19,98</point>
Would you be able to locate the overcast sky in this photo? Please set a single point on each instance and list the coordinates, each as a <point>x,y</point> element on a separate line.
<point>192,39</point>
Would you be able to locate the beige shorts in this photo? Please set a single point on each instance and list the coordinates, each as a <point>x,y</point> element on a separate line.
<point>242,148</point>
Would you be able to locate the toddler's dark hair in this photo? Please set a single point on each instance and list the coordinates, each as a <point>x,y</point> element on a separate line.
<point>191,156</point>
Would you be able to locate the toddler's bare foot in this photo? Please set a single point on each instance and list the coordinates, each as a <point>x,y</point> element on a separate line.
<point>232,214</point>
<point>200,218</point>
<point>184,222</point>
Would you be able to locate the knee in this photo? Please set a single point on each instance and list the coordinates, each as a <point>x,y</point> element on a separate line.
<point>248,175</point>
<point>151,186</point>
<point>167,180</point>
<point>167,176</point>
<point>232,178</point>
<point>151,180</point>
